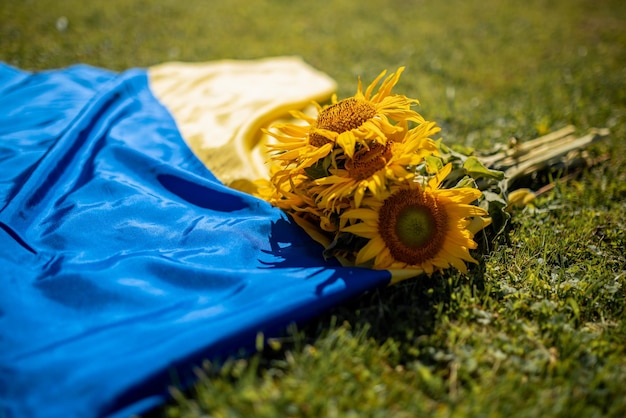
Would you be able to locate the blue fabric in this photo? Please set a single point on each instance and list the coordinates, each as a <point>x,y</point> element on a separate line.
<point>123,260</point>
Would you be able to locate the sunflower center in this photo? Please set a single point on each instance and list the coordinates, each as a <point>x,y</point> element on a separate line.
<point>413,226</point>
<point>368,161</point>
<point>343,116</point>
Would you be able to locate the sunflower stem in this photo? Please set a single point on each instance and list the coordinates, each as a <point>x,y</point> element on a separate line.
<point>559,150</point>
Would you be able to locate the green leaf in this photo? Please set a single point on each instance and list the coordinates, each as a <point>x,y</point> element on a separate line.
<point>466,181</point>
<point>443,148</point>
<point>433,164</point>
<point>467,151</point>
<point>495,204</point>
<point>476,170</point>
<point>320,169</point>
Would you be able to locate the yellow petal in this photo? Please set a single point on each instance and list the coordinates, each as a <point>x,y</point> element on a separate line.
<point>441,175</point>
<point>519,198</point>
<point>358,196</point>
<point>347,141</point>
<point>370,88</point>
<point>369,251</point>
<point>360,214</point>
<point>477,224</point>
<point>361,229</point>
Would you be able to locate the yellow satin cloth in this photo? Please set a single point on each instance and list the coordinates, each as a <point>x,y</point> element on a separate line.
<point>221,106</point>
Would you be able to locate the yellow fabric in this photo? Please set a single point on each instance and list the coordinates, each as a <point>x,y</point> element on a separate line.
<point>221,106</point>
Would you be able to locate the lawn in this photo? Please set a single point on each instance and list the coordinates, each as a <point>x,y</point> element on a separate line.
<point>538,328</point>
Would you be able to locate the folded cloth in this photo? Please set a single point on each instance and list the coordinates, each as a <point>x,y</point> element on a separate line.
<point>220,107</point>
<point>124,261</point>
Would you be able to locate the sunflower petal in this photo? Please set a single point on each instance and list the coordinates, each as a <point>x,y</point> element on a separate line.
<point>347,141</point>
<point>369,251</point>
<point>440,176</point>
<point>361,213</point>
<point>361,229</point>
<point>370,88</point>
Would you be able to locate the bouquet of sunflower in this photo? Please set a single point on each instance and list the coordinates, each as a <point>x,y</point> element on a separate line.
<point>367,180</point>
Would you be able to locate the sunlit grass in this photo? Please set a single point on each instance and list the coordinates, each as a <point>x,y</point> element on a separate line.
<point>538,328</point>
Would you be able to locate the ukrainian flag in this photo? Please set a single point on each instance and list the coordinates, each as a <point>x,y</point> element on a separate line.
<point>125,257</point>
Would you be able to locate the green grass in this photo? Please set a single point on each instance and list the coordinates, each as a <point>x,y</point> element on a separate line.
<point>539,327</point>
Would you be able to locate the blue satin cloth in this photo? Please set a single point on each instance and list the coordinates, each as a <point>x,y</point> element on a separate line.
<point>123,261</point>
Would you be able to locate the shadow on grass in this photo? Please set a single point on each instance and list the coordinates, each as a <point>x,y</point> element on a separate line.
<point>405,313</point>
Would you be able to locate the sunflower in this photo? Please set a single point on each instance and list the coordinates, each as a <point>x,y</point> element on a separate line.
<point>360,119</point>
<point>417,227</point>
<point>374,166</point>
<point>290,195</point>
